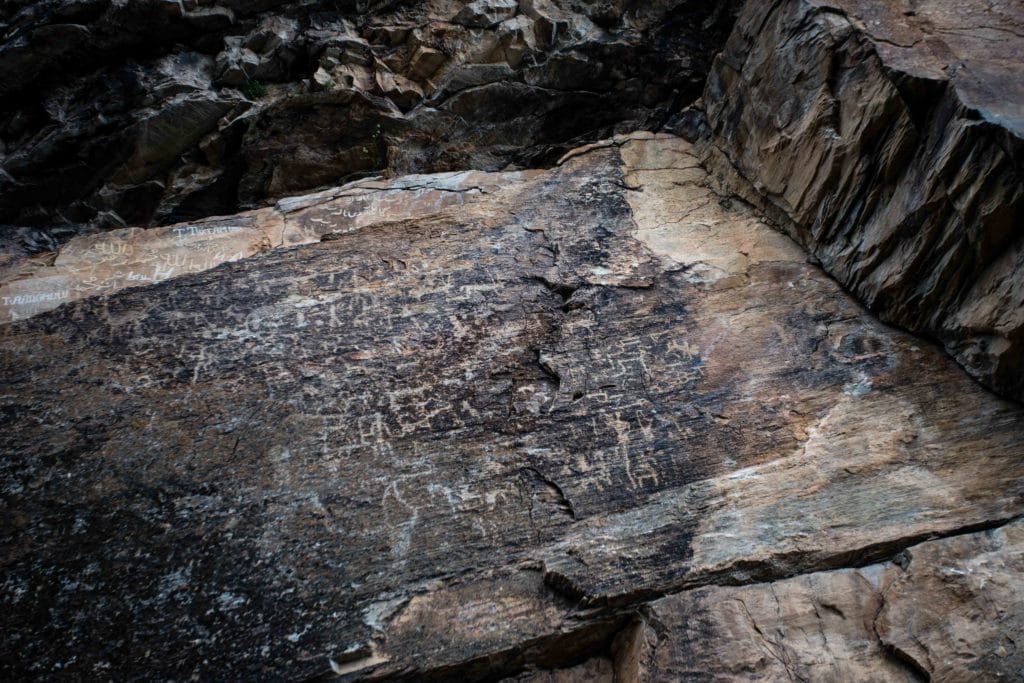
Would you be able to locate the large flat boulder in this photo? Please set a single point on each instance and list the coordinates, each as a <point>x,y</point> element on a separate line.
<point>492,438</point>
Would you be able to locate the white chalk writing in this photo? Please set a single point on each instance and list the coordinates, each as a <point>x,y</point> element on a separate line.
<point>191,230</point>
<point>38,297</point>
<point>161,273</point>
<point>114,248</point>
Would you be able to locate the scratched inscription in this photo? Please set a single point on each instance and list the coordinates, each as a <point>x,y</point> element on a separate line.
<point>105,263</point>
<point>350,213</point>
<point>35,298</point>
<point>198,230</point>
<point>290,454</point>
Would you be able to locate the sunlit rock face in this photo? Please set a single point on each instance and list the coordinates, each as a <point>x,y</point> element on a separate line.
<point>888,138</point>
<point>459,397</point>
<point>474,425</point>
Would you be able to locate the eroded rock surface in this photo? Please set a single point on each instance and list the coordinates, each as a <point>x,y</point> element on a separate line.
<point>942,611</point>
<point>103,263</point>
<point>888,138</point>
<point>948,613</point>
<point>513,435</point>
<point>145,112</point>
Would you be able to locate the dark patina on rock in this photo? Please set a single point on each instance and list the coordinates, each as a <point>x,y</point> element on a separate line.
<point>472,445</point>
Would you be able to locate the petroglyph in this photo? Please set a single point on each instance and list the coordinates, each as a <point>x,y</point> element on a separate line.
<point>532,409</point>
<point>365,203</point>
<point>108,262</point>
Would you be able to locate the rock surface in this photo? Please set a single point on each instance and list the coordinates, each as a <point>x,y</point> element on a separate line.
<point>947,612</point>
<point>888,138</point>
<point>90,265</point>
<point>589,422</point>
<point>599,422</point>
<point>159,111</point>
<point>940,612</point>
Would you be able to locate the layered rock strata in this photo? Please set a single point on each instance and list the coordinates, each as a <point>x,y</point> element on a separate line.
<point>938,612</point>
<point>888,139</point>
<point>590,422</point>
<point>90,265</point>
<point>115,114</point>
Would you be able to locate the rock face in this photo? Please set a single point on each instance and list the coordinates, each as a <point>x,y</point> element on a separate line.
<point>115,114</point>
<point>939,612</point>
<point>491,403</point>
<point>888,138</point>
<point>592,423</point>
<point>106,262</point>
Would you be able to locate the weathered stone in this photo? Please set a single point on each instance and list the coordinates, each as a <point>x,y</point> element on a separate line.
<point>314,95</point>
<point>947,610</point>
<point>481,433</point>
<point>954,613</point>
<point>107,262</point>
<point>594,423</point>
<point>164,135</point>
<point>889,140</point>
<point>816,627</point>
<point>425,62</point>
<point>236,64</point>
<point>486,13</point>
<point>596,670</point>
<point>104,263</point>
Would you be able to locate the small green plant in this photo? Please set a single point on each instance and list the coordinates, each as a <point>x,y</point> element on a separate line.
<point>253,89</point>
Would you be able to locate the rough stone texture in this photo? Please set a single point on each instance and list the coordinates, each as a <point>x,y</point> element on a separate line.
<point>106,262</point>
<point>944,611</point>
<point>816,627</point>
<point>506,437</point>
<point>596,670</point>
<point>143,112</point>
<point>888,138</point>
<point>949,613</point>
